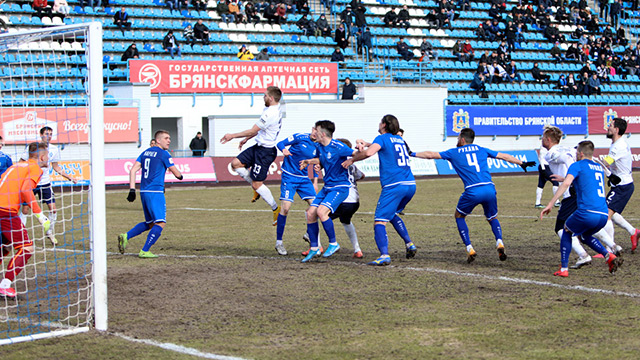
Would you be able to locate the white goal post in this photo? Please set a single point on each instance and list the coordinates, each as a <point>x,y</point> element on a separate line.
<point>52,77</point>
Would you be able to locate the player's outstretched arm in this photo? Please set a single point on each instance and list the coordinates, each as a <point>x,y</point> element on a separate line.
<point>174,170</point>
<point>307,162</point>
<point>371,150</point>
<point>248,134</point>
<point>560,192</point>
<point>426,155</point>
<point>58,169</point>
<point>514,160</point>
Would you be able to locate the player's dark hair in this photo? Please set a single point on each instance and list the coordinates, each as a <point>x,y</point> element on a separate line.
<point>468,135</point>
<point>275,93</point>
<point>346,142</point>
<point>160,132</point>
<point>553,132</point>
<point>391,124</point>
<point>620,124</point>
<point>401,130</point>
<point>35,147</point>
<point>198,133</point>
<point>328,127</point>
<point>45,129</point>
<point>586,147</point>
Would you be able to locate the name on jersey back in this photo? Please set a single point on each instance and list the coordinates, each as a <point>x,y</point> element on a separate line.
<point>468,148</point>
<point>150,153</point>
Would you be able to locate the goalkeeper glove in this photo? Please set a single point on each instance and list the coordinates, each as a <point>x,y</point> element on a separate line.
<point>526,164</point>
<point>181,177</point>
<point>132,195</point>
<point>44,221</point>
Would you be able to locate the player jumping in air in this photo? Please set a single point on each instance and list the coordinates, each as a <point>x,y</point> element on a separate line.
<point>470,163</point>
<point>154,163</point>
<point>398,185</point>
<point>591,215</point>
<point>260,156</point>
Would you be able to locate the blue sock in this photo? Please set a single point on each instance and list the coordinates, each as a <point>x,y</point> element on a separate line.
<point>329,229</point>
<point>565,248</point>
<point>282,221</point>
<point>137,230</point>
<point>154,235</point>
<point>595,244</point>
<point>495,227</point>
<point>312,230</point>
<point>382,240</point>
<point>463,229</point>
<point>401,229</point>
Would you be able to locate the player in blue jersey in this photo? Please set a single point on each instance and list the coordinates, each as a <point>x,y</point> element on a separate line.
<point>5,160</point>
<point>295,148</point>
<point>154,163</point>
<point>592,214</point>
<point>260,156</point>
<point>470,163</point>
<point>398,185</point>
<point>330,155</point>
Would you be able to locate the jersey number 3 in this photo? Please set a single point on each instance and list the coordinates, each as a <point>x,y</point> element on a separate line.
<point>403,157</point>
<point>600,180</point>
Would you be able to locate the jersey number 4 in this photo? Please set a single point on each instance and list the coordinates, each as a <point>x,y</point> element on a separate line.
<point>472,160</point>
<point>403,157</point>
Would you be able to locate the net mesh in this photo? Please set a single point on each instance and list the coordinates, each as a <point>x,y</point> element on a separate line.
<point>44,81</point>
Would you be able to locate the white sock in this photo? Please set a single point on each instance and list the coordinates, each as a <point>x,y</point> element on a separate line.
<point>620,221</point>
<point>499,242</point>
<point>604,237</point>
<point>469,248</point>
<point>555,188</point>
<point>278,242</point>
<point>538,195</point>
<point>5,283</point>
<point>244,173</point>
<point>23,218</point>
<point>265,193</point>
<point>351,233</point>
<point>608,227</point>
<point>53,216</point>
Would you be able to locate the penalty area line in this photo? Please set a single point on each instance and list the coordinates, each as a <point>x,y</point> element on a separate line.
<point>176,348</point>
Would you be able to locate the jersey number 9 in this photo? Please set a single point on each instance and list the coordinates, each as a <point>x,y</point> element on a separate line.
<point>147,163</point>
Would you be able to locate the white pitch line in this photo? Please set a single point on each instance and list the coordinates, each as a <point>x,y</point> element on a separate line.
<point>177,348</point>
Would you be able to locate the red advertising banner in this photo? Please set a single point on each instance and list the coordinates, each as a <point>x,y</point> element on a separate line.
<point>601,116</point>
<point>635,155</point>
<point>168,76</point>
<point>193,169</point>
<point>70,125</point>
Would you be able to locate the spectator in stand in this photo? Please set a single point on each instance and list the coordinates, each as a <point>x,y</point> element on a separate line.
<point>251,12</point>
<point>456,50</point>
<point>578,32</point>
<point>553,34</point>
<point>603,71</point>
<point>61,8</point>
<point>572,53</point>
<point>583,84</point>
<point>360,16</point>
<point>307,25</point>
<point>346,17</point>
<point>614,12</point>
<point>322,26</point>
<point>341,37</point>
<point>495,29</point>
<point>443,19</point>
<point>426,49</point>
<point>244,53</point>
<point>510,35</point>
<point>403,17</point>
<point>270,13</point>
<point>556,52</point>
<point>199,5</point>
<point>365,44</point>
<point>198,145</point>
<point>562,85</point>
<point>512,73</point>
<point>223,10</point>
<point>289,6</point>
<point>478,84</point>
<point>621,37</point>
<point>604,8</point>
<point>263,55</point>
<point>572,85</point>
<point>234,10</point>
<point>390,18</point>
<point>170,44</point>
<point>337,55</point>
<point>41,8</point>
<point>498,73</point>
<point>467,51</point>
<point>504,56</point>
<point>403,49</point>
<point>91,3</point>
<point>594,85</point>
<point>349,90</point>
<point>188,36</point>
<point>201,32</point>
<point>281,11</point>
<point>303,6</point>
<point>121,20</point>
<point>538,76</point>
<point>631,65</point>
<point>171,4</point>
<point>130,53</point>
<point>480,33</point>
<point>494,13</point>
<point>432,19</point>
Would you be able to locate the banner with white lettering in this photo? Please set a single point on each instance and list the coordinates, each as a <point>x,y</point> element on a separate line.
<point>600,117</point>
<point>495,165</point>
<point>515,120</point>
<point>168,76</point>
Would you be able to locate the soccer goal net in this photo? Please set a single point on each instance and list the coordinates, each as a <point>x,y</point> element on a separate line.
<point>52,92</point>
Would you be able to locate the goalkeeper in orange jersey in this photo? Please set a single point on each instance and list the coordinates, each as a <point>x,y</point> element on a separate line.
<point>16,188</point>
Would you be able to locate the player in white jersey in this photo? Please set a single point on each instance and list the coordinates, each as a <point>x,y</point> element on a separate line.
<point>619,162</point>
<point>44,191</point>
<point>544,176</point>
<point>559,159</point>
<point>260,156</point>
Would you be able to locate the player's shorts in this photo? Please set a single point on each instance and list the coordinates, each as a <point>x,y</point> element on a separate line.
<point>567,207</point>
<point>345,212</point>
<point>484,195</point>
<point>586,223</point>
<point>292,184</point>
<point>45,193</point>
<point>392,200</point>
<point>258,158</point>
<point>154,206</point>
<point>619,196</point>
<point>13,232</point>
<point>544,176</point>
<point>331,198</point>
